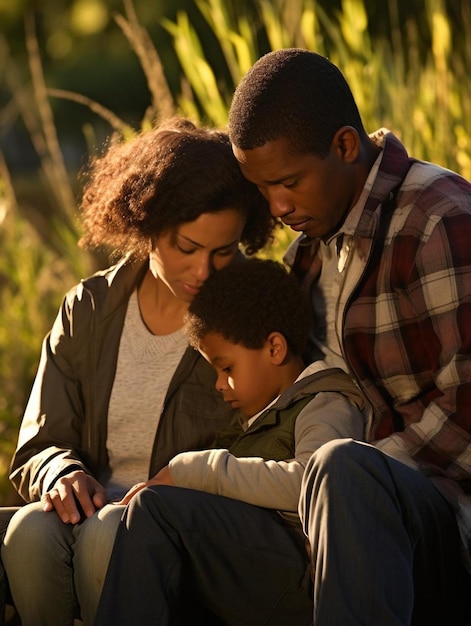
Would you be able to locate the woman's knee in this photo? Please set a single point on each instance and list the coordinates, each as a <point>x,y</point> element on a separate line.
<point>32,531</point>
<point>94,538</point>
<point>94,543</point>
<point>36,548</point>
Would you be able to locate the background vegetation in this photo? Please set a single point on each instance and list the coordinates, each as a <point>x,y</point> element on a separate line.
<point>75,72</point>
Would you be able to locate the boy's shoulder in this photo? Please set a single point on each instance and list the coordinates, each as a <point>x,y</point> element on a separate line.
<point>319,378</point>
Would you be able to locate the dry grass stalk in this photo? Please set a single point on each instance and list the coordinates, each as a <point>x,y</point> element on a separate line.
<point>163,105</point>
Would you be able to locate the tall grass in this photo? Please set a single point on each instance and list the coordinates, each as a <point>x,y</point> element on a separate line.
<point>425,98</point>
<point>423,95</point>
<point>32,277</point>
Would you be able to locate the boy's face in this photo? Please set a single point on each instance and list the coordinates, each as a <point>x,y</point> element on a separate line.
<point>246,378</point>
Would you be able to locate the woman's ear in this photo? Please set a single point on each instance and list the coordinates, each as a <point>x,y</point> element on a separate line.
<point>278,346</point>
<point>347,142</point>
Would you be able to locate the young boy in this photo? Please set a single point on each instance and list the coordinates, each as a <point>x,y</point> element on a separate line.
<point>251,321</point>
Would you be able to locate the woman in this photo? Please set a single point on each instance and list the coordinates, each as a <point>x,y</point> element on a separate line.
<point>119,391</point>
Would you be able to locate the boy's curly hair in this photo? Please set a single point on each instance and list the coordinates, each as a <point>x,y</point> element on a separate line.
<point>162,178</point>
<point>246,301</point>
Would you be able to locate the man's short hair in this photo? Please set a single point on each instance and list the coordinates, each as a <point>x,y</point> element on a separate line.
<point>292,93</point>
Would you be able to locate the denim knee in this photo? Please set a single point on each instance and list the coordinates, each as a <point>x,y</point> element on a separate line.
<point>335,453</point>
<point>34,534</point>
<point>37,555</point>
<point>92,551</point>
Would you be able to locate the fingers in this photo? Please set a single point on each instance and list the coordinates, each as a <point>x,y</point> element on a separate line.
<point>99,499</point>
<point>62,500</point>
<point>132,492</point>
<point>74,495</point>
<point>47,502</point>
<point>163,477</point>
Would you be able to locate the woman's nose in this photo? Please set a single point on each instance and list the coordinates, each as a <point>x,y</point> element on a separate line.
<point>202,267</point>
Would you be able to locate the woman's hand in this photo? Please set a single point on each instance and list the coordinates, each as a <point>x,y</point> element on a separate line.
<point>161,478</point>
<point>72,492</point>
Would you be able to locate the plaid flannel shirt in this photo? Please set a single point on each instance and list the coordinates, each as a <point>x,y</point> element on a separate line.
<point>404,315</point>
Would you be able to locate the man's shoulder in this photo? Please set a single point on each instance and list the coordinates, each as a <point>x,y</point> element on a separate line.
<point>426,176</point>
<point>430,194</point>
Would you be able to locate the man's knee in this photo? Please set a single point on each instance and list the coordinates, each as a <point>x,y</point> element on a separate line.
<point>336,454</point>
<point>333,466</point>
<point>165,501</point>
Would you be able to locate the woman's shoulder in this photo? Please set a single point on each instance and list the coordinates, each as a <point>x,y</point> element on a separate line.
<point>107,287</point>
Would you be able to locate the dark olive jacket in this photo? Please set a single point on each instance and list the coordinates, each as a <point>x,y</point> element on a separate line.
<point>65,423</point>
<point>272,436</point>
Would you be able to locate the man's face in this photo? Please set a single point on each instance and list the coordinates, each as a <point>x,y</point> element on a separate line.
<point>308,193</point>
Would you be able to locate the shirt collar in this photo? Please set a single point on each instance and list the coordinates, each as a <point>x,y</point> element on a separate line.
<point>350,224</point>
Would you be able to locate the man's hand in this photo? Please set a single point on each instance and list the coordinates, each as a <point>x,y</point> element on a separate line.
<point>71,491</point>
<point>161,478</point>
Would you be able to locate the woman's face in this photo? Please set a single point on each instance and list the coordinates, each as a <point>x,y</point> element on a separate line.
<point>184,257</point>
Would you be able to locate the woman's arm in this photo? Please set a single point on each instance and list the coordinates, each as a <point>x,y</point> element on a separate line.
<point>50,436</point>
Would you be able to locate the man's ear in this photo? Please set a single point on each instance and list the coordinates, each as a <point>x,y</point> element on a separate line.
<point>347,143</point>
<point>278,346</point>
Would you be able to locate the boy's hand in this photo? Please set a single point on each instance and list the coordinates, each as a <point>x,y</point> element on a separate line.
<point>161,478</point>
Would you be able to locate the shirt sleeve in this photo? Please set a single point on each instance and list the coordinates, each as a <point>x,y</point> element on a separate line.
<point>438,358</point>
<point>50,432</point>
<point>271,484</point>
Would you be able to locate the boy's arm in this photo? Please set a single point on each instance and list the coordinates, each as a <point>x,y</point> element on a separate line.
<point>270,484</point>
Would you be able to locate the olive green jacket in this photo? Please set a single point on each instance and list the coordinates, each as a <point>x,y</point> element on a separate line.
<point>264,464</point>
<point>65,423</point>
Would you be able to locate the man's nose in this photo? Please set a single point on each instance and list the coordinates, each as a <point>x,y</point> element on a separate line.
<point>280,205</point>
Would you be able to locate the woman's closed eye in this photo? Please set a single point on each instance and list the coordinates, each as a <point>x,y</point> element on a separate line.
<point>226,251</point>
<point>185,250</point>
<point>222,252</point>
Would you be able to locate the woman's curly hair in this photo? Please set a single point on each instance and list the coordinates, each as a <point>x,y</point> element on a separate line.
<point>246,301</point>
<point>162,178</point>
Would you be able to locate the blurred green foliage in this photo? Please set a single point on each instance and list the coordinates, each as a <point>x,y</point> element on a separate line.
<point>74,72</point>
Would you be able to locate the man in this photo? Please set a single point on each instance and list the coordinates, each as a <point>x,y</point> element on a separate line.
<point>386,255</point>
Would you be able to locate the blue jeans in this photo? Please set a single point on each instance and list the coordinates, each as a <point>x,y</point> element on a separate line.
<point>385,543</point>
<point>188,557</point>
<point>56,570</point>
